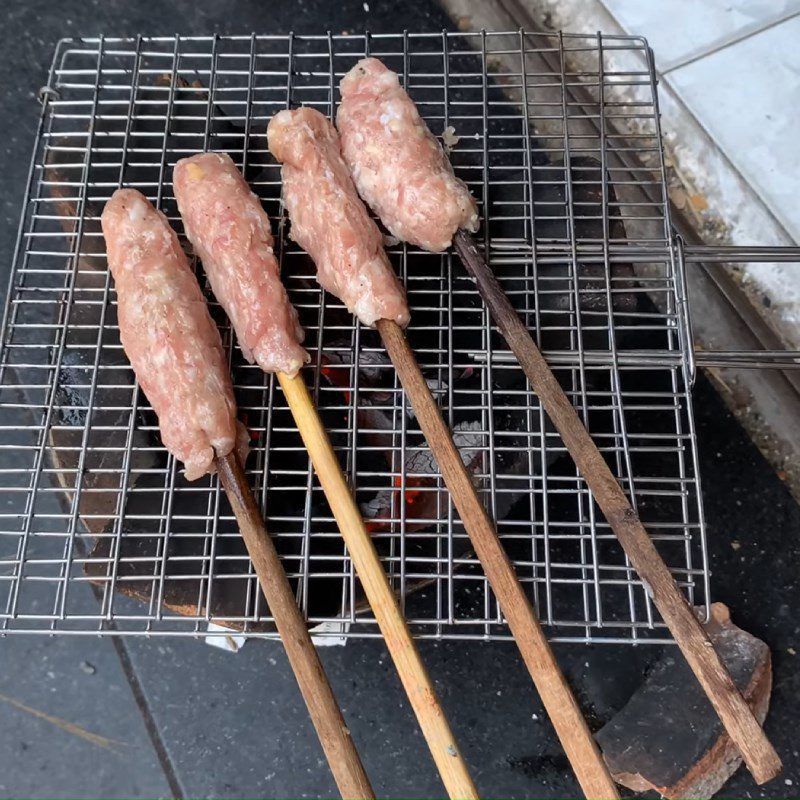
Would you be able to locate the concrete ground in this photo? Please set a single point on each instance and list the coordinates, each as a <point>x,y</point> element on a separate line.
<point>157,718</point>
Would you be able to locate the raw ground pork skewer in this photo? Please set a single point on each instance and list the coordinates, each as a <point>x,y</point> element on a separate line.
<point>230,232</point>
<point>169,336</point>
<point>376,114</point>
<point>329,219</point>
<point>397,164</point>
<point>176,352</point>
<point>402,172</point>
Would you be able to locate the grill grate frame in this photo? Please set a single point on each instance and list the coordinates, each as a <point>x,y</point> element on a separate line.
<point>122,111</point>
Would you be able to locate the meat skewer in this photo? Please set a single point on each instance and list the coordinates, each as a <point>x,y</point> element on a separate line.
<point>385,143</point>
<point>318,191</point>
<point>230,231</point>
<point>176,352</point>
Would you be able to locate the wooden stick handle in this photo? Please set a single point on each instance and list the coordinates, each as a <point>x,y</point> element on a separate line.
<point>560,703</point>
<point>413,674</point>
<point>737,717</point>
<point>337,743</point>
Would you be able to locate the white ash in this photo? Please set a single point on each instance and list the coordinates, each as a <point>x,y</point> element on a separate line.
<point>376,507</point>
<point>468,437</point>
<point>370,362</point>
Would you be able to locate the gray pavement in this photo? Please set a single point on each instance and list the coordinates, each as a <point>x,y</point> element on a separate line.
<point>69,725</point>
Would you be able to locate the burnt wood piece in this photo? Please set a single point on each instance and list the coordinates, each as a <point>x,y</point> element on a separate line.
<point>667,737</point>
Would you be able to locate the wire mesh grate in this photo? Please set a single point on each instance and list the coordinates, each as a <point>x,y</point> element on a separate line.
<point>100,532</point>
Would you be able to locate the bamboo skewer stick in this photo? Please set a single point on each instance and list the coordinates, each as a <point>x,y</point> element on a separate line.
<point>382,599</point>
<point>560,703</point>
<point>737,717</point>
<point>343,758</point>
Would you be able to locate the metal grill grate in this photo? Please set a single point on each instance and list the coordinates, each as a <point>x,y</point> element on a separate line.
<point>577,229</point>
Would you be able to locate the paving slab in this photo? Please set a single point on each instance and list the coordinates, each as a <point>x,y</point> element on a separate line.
<point>681,30</point>
<point>743,95</point>
<point>69,725</point>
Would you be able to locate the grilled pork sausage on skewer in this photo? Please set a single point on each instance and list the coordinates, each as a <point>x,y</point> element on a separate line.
<point>231,234</point>
<point>398,166</point>
<point>329,220</point>
<point>169,336</point>
<point>177,355</point>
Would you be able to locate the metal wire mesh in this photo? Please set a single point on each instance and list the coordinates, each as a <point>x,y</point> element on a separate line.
<point>91,499</point>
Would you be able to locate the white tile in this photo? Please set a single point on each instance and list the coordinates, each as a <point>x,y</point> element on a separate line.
<point>747,96</point>
<point>681,29</point>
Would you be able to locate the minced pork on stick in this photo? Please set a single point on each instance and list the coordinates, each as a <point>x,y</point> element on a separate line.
<point>169,336</point>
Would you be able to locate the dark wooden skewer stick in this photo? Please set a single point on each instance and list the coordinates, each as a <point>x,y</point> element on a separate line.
<point>560,703</point>
<point>343,758</point>
<point>413,675</point>
<point>737,717</point>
